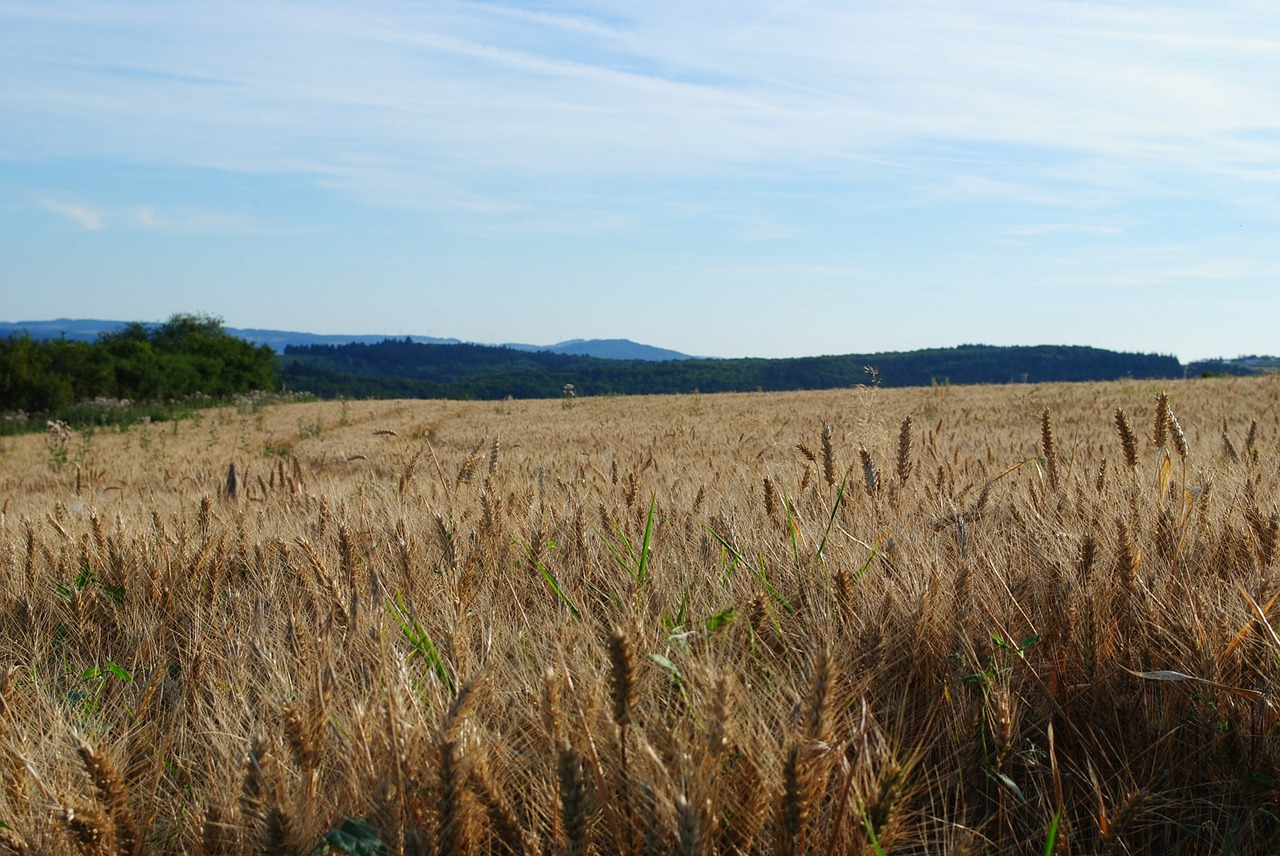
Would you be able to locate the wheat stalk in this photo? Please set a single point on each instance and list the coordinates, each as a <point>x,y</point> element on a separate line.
<point>112,795</point>
<point>904,451</point>
<point>828,456</point>
<point>1049,447</point>
<point>1128,440</point>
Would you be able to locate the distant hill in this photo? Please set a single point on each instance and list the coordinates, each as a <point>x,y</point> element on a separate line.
<point>1239,366</point>
<point>88,329</point>
<point>402,369</point>
<point>278,340</point>
<point>75,329</point>
<point>606,349</point>
<point>429,367</point>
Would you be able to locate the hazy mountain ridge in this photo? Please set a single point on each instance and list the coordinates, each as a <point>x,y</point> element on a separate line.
<point>88,329</point>
<point>607,349</point>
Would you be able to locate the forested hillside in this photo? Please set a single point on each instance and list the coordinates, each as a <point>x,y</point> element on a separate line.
<point>192,355</point>
<point>406,369</point>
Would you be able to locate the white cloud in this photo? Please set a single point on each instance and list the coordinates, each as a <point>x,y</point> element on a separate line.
<point>189,221</point>
<point>83,216</point>
<point>490,104</point>
<point>1050,230</point>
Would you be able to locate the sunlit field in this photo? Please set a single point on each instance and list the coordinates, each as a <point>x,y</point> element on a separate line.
<point>1015,619</point>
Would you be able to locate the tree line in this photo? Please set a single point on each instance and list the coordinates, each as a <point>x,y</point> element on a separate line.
<point>192,355</point>
<point>186,356</point>
<point>405,369</point>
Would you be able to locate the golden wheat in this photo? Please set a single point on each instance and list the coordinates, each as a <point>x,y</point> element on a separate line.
<point>514,654</point>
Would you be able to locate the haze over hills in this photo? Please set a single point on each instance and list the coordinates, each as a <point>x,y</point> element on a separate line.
<point>606,349</point>
<point>88,329</point>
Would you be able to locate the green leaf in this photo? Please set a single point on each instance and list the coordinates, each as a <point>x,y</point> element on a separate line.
<point>422,644</point>
<point>665,663</point>
<point>677,681</point>
<point>119,671</point>
<point>1010,784</point>
<point>85,577</point>
<point>1258,777</point>
<point>720,619</point>
<point>682,616</point>
<point>356,837</point>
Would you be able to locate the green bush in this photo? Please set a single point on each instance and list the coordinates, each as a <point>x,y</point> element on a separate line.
<point>187,356</point>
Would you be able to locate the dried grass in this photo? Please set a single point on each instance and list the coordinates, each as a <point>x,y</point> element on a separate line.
<point>514,656</point>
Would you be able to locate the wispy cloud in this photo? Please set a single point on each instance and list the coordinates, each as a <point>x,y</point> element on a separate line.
<point>85,217</point>
<point>794,271</point>
<point>150,218</point>
<point>187,221</point>
<point>943,96</point>
<point>1028,231</point>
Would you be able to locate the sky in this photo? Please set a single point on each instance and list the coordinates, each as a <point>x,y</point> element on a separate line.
<point>725,178</point>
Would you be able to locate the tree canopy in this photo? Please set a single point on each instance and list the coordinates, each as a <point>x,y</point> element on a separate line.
<point>396,368</point>
<point>185,356</point>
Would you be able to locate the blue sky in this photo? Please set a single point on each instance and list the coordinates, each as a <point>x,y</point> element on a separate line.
<point>724,178</point>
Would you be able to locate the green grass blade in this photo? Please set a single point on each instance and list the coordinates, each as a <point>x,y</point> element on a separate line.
<point>778,597</point>
<point>792,529</point>
<point>555,584</point>
<point>831,521</point>
<point>615,552</point>
<point>642,567</point>
<point>636,565</point>
<point>871,835</point>
<point>422,644</point>
<point>730,549</point>
<point>1051,840</point>
<point>875,548</point>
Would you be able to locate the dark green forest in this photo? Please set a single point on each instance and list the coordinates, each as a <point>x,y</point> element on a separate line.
<point>404,369</point>
<point>187,356</point>
<point>194,357</point>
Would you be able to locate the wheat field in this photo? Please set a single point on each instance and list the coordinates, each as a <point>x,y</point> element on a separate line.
<point>1016,619</point>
